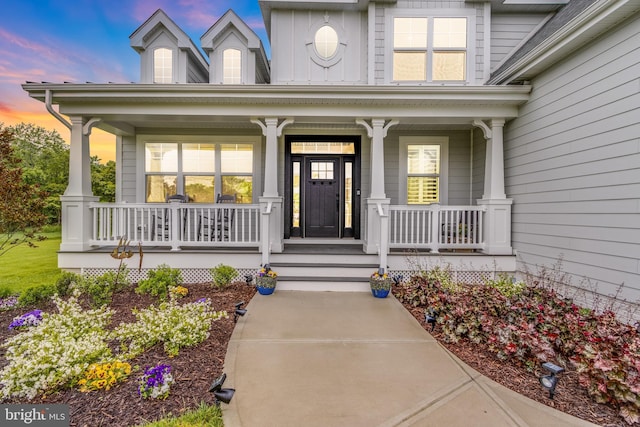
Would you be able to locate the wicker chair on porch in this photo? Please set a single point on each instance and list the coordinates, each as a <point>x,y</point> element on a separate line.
<point>218,228</point>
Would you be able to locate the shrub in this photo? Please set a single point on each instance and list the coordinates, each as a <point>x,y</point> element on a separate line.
<point>531,325</point>
<point>66,282</point>
<point>56,352</point>
<point>6,292</point>
<point>101,288</point>
<point>170,323</point>
<point>37,294</point>
<point>506,285</point>
<point>160,281</point>
<point>223,275</point>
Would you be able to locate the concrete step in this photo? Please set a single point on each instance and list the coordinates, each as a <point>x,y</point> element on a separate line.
<point>323,258</point>
<point>307,270</point>
<point>323,286</point>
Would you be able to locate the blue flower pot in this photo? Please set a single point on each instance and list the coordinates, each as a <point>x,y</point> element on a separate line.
<point>380,293</point>
<point>265,291</point>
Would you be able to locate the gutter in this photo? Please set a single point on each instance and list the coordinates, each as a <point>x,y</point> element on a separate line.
<point>54,113</point>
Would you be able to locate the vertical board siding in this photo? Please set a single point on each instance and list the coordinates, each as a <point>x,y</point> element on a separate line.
<point>572,166</point>
<point>292,30</point>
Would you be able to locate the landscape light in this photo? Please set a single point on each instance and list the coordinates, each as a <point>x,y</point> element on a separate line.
<point>430,318</point>
<point>239,311</point>
<point>550,381</point>
<point>221,394</point>
<point>248,278</point>
<point>397,279</point>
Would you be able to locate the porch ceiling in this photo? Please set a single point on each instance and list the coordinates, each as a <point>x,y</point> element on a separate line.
<point>124,108</point>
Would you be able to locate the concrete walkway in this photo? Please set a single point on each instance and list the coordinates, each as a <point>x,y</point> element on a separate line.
<point>348,359</point>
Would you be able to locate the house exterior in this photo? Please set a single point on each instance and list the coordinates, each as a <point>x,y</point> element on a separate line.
<point>483,135</point>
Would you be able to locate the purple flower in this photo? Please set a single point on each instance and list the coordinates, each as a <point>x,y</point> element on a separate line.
<point>156,381</point>
<point>8,303</point>
<point>31,318</point>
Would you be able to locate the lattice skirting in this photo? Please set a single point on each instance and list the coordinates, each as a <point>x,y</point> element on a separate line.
<point>189,275</point>
<point>470,277</point>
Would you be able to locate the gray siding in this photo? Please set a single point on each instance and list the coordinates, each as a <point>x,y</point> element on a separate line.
<point>129,169</point>
<point>479,157</point>
<point>573,166</point>
<point>508,31</point>
<point>293,30</point>
<point>459,179</point>
<point>382,38</point>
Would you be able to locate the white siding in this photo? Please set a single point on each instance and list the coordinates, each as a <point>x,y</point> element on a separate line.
<point>572,162</point>
<point>508,31</point>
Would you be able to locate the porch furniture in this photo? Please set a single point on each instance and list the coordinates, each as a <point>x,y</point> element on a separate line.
<point>217,227</point>
<point>161,222</point>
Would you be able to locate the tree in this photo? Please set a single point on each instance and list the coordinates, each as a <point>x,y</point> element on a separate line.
<point>21,203</point>
<point>103,179</point>
<point>45,162</point>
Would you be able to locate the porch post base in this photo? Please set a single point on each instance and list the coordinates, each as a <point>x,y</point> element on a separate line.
<point>276,236</point>
<point>497,226</point>
<point>371,241</point>
<point>76,223</point>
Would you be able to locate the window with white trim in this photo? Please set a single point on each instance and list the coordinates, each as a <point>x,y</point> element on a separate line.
<point>429,49</point>
<point>198,170</point>
<point>232,66</point>
<point>423,169</point>
<point>163,65</point>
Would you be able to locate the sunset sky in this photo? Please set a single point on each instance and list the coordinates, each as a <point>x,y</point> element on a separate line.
<point>88,40</point>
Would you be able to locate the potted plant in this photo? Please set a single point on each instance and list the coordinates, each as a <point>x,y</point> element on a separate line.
<point>266,280</point>
<point>380,284</point>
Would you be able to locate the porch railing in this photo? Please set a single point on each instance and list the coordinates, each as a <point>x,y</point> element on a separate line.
<point>436,227</point>
<point>176,224</point>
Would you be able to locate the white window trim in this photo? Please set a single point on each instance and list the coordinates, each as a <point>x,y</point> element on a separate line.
<point>470,71</point>
<point>174,62</point>
<point>242,64</point>
<point>141,140</point>
<point>443,142</point>
<point>311,48</point>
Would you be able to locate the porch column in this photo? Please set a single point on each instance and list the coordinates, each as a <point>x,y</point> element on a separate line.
<point>271,202</point>
<point>497,222</point>
<point>76,216</point>
<point>376,238</point>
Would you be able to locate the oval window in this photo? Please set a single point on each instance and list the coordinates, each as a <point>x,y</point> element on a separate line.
<point>326,42</point>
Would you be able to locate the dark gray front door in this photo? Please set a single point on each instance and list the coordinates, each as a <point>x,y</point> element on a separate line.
<point>322,197</point>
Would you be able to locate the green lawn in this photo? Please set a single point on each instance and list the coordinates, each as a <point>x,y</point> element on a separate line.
<point>23,267</point>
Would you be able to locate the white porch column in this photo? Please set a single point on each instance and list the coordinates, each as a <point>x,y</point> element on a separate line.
<point>376,238</point>
<point>497,223</point>
<point>76,216</point>
<point>271,202</point>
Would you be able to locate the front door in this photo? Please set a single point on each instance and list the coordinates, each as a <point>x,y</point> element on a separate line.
<point>322,195</point>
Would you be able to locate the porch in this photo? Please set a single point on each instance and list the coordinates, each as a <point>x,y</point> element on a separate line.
<point>197,237</point>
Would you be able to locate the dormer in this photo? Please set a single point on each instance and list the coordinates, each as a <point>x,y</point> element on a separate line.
<point>167,54</point>
<point>236,53</point>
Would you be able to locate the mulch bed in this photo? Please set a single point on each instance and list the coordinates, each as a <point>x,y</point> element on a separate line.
<point>570,397</point>
<point>195,368</point>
